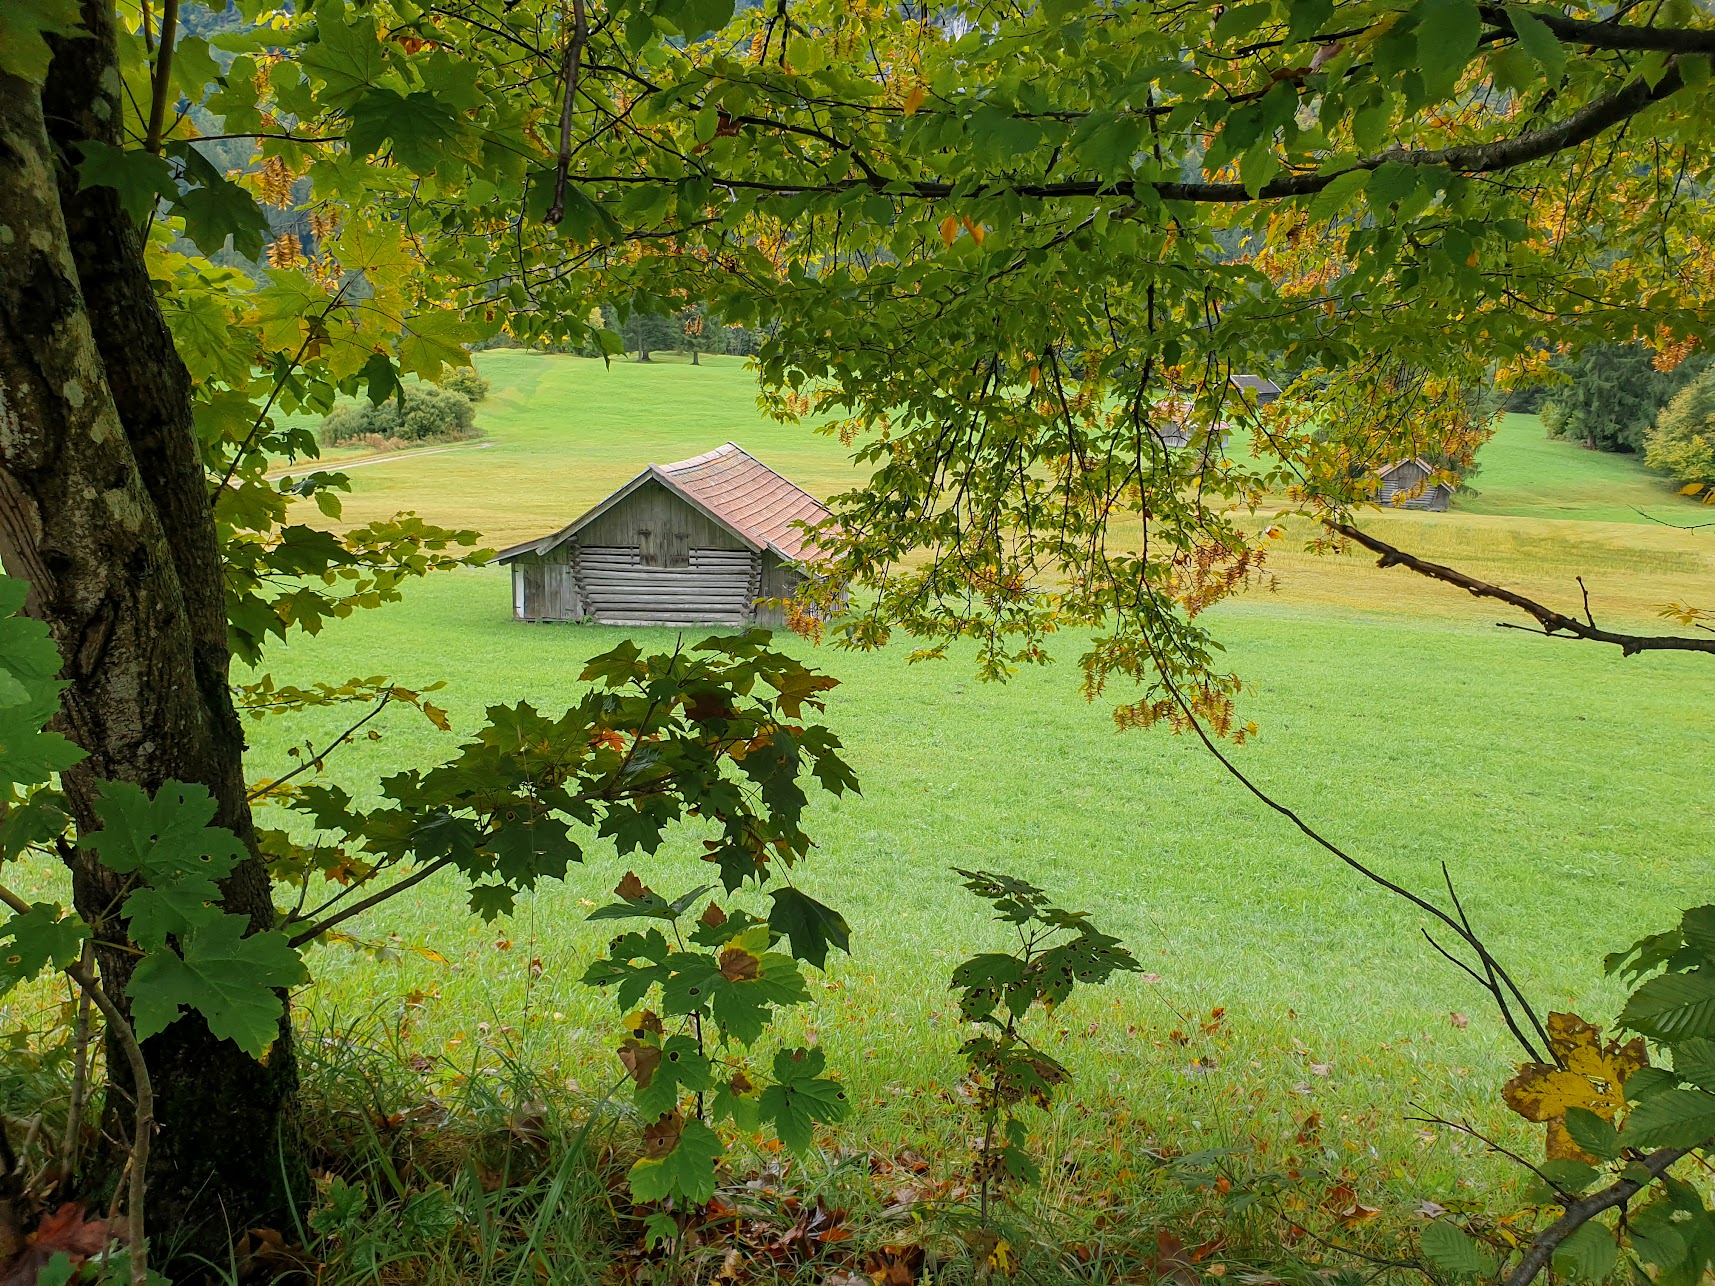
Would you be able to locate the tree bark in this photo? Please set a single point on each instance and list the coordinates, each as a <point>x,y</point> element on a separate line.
<point>104,509</point>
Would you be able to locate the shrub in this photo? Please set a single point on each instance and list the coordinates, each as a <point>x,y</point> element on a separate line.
<point>464,379</point>
<point>1682,441</point>
<point>430,414</point>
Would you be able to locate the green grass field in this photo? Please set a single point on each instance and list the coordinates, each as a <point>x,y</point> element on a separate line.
<point>1565,788</point>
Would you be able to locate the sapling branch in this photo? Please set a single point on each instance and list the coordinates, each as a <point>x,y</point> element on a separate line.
<point>163,75</point>
<point>79,1074</point>
<point>1540,1252</point>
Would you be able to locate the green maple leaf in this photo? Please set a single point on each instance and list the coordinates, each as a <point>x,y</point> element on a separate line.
<point>347,58</point>
<point>682,1067</point>
<point>810,926</point>
<point>418,124</point>
<point>37,820</point>
<point>141,178</point>
<point>620,665</point>
<point>166,839</point>
<point>687,1171</point>
<point>23,23</point>
<point>41,938</point>
<point>434,340</point>
<point>218,208</point>
<point>27,754</point>
<point>155,914</point>
<point>228,978</point>
<point>491,901</point>
<point>800,1097</point>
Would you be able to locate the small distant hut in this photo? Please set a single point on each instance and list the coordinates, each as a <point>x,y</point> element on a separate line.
<point>697,542</point>
<point>1410,479</point>
<point>1261,389</point>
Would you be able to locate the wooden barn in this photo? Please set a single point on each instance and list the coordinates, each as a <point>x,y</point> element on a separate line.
<point>697,542</point>
<point>1259,388</point>
<point>1407,478</point>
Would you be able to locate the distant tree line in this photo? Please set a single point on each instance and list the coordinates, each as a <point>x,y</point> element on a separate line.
<point>1630,398</point>
<point>692,331</point>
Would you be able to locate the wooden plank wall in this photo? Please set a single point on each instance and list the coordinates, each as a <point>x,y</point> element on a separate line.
<point>617,589</point>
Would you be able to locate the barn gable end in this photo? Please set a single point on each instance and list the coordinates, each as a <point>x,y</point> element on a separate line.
<point>1407,478</point>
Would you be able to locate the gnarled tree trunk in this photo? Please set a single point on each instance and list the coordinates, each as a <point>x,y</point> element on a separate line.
<point>104,508</point>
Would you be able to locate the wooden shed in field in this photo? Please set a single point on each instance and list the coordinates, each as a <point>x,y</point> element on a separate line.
<point>1259,388</point>
<point>697,542</point>
<point>1405,484</point>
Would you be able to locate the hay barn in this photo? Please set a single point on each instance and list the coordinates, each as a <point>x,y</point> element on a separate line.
<point>1259,388</point>
<point>1407,478</point>
<point>697,542</point>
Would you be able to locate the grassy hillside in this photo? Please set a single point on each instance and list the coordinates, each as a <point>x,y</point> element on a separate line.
<point>564,431</point>
<point>1527,474</point>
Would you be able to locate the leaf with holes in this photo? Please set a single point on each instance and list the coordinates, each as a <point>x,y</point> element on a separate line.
<point>44,937</point>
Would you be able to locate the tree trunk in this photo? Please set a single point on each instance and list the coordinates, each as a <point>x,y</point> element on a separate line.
<point>104,509</point>
<point>643,354</point>
<point>694,361</point>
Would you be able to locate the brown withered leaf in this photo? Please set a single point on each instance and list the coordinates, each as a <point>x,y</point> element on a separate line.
<point>1172,1266</point>
<point>741,1084</point>
<point>630,887</point>
<point>703,707</point>
<point>65,1231</point>
<point>640,1060</point>
<point>738,965</point>
<point>894,1265</point>
<point>661,1136</point>
<point>713,917</point>
<point>1592,1075</point>
<point>263,1255</point>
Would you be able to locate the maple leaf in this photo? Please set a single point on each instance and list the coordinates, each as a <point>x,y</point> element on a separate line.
<point>679,1159</point>
<point>631,888</point>
<point>661,1136</point>
<point>640,1060</point>
<point>738,965</point>
<point>1591,1077</point>
<point>230,978</point>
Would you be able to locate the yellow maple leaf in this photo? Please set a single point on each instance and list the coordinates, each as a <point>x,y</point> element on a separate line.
<point>1591,1074</point>
<point>914,99</point>
<point>949,228</point>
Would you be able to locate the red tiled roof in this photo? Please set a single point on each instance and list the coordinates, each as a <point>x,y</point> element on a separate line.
<point>749,497</point>
<point>734,488</point>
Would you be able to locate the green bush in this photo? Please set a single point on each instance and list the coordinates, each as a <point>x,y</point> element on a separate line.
<point>430,414</point>
<point>1682,441</point>
<point>464,379</point>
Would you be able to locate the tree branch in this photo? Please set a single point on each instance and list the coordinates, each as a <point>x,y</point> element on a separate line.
<point>1580,1212</point>
<point>570,71</point>
<point>316,761</point>
<point>163,75</point>
<point>1551,621</point>
<point>1471,158</point>
<point>1609,35</point>
<point>374,899</point>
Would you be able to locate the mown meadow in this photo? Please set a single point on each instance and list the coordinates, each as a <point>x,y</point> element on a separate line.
<point>1287,1010</point>
<point>1562,786</point>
